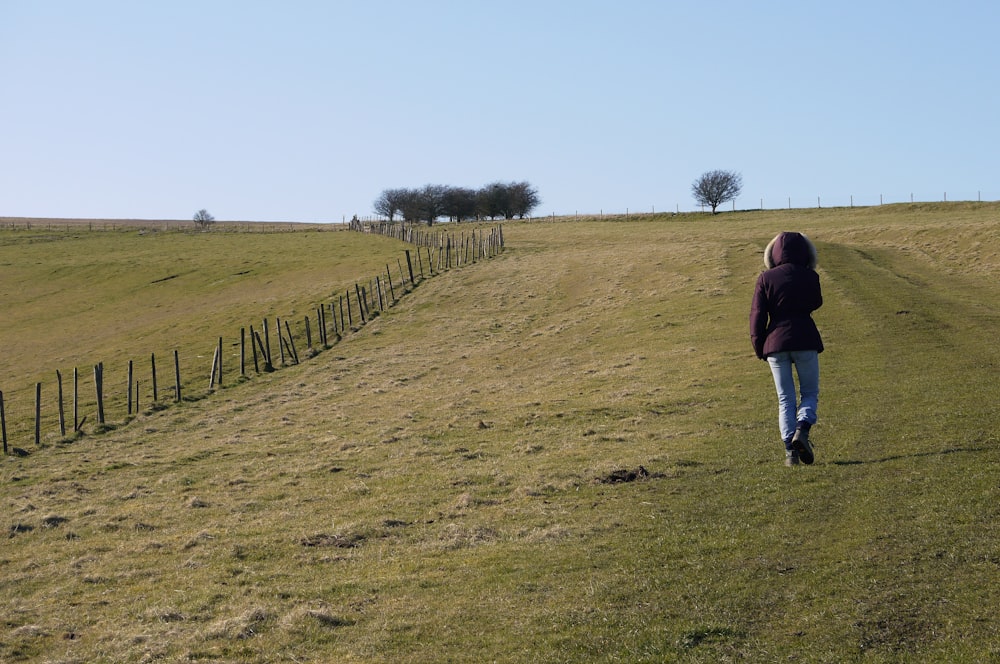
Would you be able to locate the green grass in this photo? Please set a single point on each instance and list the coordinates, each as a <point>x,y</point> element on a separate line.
<point>431,488</point>
<point>75,298</point>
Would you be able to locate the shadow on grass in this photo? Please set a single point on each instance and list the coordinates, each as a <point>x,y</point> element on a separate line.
<point>897,457</point>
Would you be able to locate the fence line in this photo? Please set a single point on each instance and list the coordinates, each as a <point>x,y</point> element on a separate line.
<point>163,226</point>
<point>744,204</point>
<point>39,408</point>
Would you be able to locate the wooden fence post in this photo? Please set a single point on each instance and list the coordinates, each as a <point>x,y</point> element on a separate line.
<point>257,346</point>
<point>267,346</point>
<point>177,377</point>
<point>243,352</point>
<point>3,424</point>
<point>291,341</point>
<point>253,347</point>
<point>99,387</point>
<point>219,352</point>
<point>281,339</point>
<point>285,345</point>
<point>361,302</point>
<point>260,345</point>
<point>409,265</point>
<point>62,412</point>
<point>388,277</point>
<point>38,414</point>
<point>76,400</point>
<point>215,366</point>
<point>129,387</point>
<point>152,363</point>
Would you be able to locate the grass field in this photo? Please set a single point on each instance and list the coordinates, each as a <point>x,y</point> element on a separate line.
<point>74,298</point>
<point>567,453</point>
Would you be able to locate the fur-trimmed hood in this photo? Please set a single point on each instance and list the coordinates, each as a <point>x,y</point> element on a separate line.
<point>790,247</point>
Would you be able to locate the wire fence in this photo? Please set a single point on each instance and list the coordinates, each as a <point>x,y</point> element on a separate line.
<point>94,398</point>
<point>745,203</point>
<point>162,226</point>
<point>850,200</point>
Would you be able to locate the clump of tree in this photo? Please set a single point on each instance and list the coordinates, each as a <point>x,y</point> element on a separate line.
<point>506,200</point>
<point>717,187</point>
<point>203,219</point>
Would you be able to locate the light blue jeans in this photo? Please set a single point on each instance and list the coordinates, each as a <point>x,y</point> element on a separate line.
<point>791,411</point>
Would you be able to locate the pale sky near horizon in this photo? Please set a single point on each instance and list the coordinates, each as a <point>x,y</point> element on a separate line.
<point>306,110</point>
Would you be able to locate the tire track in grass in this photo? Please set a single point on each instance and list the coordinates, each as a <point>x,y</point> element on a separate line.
<point>906,365</point>
<point>909,383</point>
<point>910,348</point>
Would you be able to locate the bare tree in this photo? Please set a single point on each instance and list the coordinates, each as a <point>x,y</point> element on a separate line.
<point>409,205</point>
<point>716,187</point>
<point>459,203</point>
<point>432,202</point>
<point>203,219</point>
<point>428,203</point>
<point>493,200</point>
<point>523,198</point>
<point>508,199</point>
<point>424,204</point>
<point>390,202</point>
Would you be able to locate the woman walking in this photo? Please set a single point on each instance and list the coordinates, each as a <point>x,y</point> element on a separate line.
<point>783,332</point>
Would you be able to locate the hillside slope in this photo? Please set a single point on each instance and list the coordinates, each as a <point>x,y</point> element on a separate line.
<point>566,453</point>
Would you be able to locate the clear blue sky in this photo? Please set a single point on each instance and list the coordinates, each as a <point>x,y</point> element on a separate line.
<point>307,110</point>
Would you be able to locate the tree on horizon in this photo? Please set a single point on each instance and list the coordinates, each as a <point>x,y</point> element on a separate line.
<point>714,188</point>
<point>203,219</point>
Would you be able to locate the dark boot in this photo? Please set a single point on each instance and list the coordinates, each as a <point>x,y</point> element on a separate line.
<point>800,443</point>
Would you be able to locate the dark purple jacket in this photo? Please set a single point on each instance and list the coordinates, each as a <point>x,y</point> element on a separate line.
<point>785,297</point>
